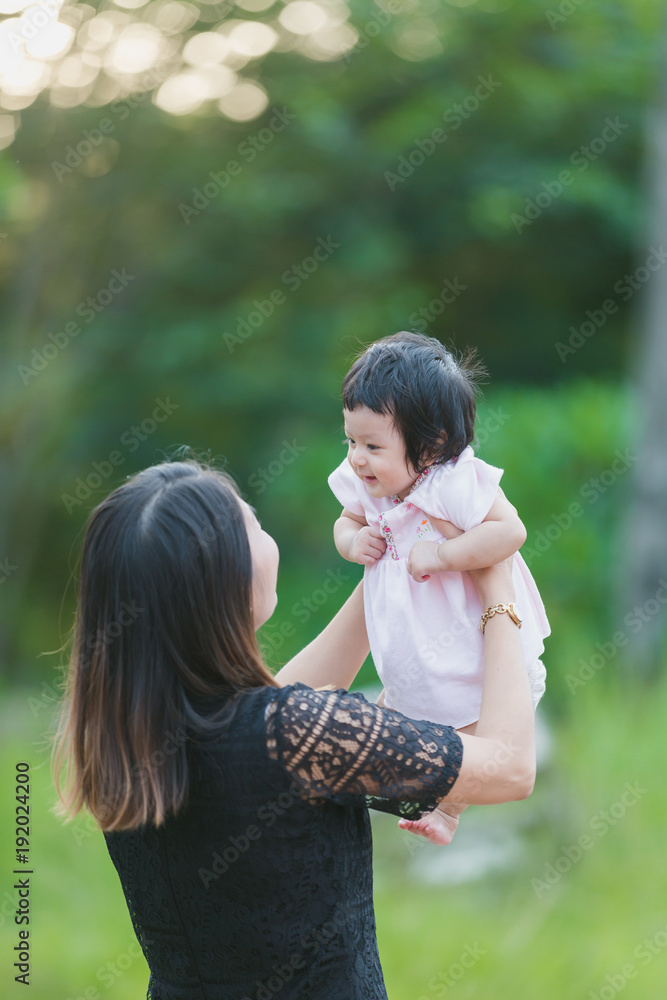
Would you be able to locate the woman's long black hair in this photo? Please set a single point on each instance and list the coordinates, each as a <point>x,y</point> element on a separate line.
<point>164,626</point>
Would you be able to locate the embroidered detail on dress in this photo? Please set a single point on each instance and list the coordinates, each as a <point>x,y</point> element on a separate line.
<point>423,529</point>
<point>395,499</point>
<point>388,537</point>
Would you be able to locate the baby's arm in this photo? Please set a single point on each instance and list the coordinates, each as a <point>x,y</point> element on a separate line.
<point>499,536</point>
<point>356,541</point>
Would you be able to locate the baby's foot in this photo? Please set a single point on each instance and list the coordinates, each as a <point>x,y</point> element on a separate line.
<point>437,826</point>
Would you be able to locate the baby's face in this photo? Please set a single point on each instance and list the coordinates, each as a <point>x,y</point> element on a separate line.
<point>376,452</point>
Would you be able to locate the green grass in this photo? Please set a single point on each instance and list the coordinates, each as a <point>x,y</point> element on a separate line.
<point>557,942</point>
<point>560,940</point>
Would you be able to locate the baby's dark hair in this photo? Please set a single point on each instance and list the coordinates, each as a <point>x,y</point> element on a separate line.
<point>429,393</point>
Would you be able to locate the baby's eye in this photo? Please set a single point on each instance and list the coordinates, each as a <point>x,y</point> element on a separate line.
<point>348,441</point>
<point>372,447</point>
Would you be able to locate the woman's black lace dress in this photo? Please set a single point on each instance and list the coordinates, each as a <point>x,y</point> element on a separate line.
<point>262,886</point>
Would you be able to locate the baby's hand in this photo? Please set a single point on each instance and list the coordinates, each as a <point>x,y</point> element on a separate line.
<point>423,560</point>
<point>367,547</point>
<point>438,826</point>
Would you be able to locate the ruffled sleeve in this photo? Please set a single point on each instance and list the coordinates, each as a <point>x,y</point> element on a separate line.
<point>339,747</point>
<point>462,492</point>
<point>344,486</point>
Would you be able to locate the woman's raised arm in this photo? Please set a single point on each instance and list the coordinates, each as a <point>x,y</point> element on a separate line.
<point>335,656</point>
<point>499,760</point>
<point>339,746</point>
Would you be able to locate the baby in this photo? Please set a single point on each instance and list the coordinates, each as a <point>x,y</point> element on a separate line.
<point>408,477</point>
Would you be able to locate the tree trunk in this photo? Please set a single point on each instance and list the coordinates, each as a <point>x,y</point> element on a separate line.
<point>643,578</point>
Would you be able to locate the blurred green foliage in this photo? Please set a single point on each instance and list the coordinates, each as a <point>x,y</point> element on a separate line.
<point>558,448</point>
<point>193,321</point>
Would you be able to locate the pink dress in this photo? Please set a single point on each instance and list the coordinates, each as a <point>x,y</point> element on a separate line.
<point>425,637</point>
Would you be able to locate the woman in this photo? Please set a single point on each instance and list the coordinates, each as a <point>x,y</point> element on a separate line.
<point>234,804</point>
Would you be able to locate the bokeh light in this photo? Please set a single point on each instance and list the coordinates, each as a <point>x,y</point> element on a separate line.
<point>246,101</point>
<point>187,55</point>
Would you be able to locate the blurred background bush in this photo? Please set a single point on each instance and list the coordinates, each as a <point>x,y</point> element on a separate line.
<point>205,211</point>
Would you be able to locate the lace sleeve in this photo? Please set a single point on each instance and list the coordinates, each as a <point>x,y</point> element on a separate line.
<point>340,747</point>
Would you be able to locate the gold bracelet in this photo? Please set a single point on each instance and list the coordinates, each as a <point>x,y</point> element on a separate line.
<point>498,609</point>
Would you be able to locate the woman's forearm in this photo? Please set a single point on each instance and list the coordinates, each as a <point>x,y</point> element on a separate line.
<point>335,656</point>
<point>499,760</point>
